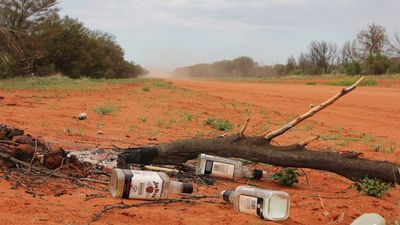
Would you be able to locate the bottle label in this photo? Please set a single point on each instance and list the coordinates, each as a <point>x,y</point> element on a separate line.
<point>219,169</point>
<point>251,205</point>
<point>144,185</point>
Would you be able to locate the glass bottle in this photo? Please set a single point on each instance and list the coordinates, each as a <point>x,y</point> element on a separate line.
<point>140,184</point>
<point>266,204</point>
<point>227,168</point>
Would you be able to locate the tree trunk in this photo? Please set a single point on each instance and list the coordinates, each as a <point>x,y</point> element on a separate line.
<point>257,149</point>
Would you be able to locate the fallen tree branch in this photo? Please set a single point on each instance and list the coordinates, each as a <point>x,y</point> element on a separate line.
<point>312,112</point>
<point>258,150</point>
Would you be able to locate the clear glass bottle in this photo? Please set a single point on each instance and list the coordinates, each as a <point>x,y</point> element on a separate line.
<point>266,204</point>
<point>140,184</point>
<point>227,168</point>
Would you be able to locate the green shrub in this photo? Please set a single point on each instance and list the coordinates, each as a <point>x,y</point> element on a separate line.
<point>353,68</point>
<point>188,116</point>
<point>351,81</point>
<point>105,110</point>
<point>146,88</point>
<point>377,64</point>
<point>221,125</point>
<point>311,83</point>
<point>287,176</point>
<point>372,186</point>
<point>163,84</point>
<point>143,119</point>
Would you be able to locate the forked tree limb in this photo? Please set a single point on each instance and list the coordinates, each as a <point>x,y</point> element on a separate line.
<point>312,112</point>
<point>258,150</point>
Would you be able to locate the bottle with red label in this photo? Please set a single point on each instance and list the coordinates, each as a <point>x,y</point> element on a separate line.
<point>140,184</point>
<point>266,204</point>
<point>227,168</point>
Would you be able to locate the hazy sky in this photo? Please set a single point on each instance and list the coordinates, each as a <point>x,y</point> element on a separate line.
<point>164,34</point>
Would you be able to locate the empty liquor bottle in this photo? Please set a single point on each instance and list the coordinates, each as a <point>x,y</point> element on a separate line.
<point>266,204</point>
<point>227,168</point>
<point>140,184</point>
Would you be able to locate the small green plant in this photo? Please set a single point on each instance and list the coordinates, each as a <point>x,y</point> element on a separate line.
<point>163,84</point>
<point>143,119</point>
<point>146,88</point>
<point>68,131</point>
<point>188,116</point>
<point>159,123</point>
<point>199,134</point>
<point>287,176</point>
<point>311,83</point>
<point>221,125</point>
<point>209,121</point>
<point>105,110</point>
<point>373,186</point>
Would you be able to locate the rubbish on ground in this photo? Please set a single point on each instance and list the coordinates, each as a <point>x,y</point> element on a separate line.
<point>138,184</point>
<point>226,168</point>
<point>369,219</point>
<point>81,116</point>
<point>266,204</point>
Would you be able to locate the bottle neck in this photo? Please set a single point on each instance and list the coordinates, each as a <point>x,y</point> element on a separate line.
<point>175,187</point>
<point>254,173</point>
<point>247,172</point>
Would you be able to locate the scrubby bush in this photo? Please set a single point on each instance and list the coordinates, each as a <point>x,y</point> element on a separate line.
<point>373,186</point>
<point>287,176</point>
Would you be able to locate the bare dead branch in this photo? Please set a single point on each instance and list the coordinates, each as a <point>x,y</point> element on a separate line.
<point>308,141</point>
<point>47,171</point>
<point>241,133</point>
<point>312,112</point>
<point>184,198</point>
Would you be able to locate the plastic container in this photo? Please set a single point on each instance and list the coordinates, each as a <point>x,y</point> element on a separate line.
<point>140,184</point>
<point>369,219</point>
<point>266,204</point>
<point>227,168</point>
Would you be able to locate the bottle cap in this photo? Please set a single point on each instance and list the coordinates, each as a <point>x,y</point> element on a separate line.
<point>187,188</point>
<point>257,174</point>
<point>225,194</point>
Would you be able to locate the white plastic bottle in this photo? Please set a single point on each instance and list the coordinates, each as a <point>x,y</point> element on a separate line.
<point>140,184</point>
<point>266,204</point>
<point>369,219</point>
<point>227,168</point>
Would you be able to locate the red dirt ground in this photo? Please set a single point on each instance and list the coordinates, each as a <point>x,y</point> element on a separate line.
<point>367,120</point>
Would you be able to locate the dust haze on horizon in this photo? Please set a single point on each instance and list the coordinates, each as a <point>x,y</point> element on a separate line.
<point>162,35</point>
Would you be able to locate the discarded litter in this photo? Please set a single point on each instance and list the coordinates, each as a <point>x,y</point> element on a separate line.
<point>369,219</point>
<point>81,116</point>
<point>266,204</point>
<point>226,168</point>
<point>138,184</point>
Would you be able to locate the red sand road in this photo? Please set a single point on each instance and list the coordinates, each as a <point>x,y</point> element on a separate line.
<point>374,110</point>
<point>162,115</point>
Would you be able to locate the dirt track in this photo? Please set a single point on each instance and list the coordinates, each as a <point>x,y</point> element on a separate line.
<point>374,110</point>
<point>371,110</point>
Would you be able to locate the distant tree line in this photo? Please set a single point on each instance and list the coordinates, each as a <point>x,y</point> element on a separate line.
<point>242,66</point>
<point>371,52</point>
<point>35,40</point>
